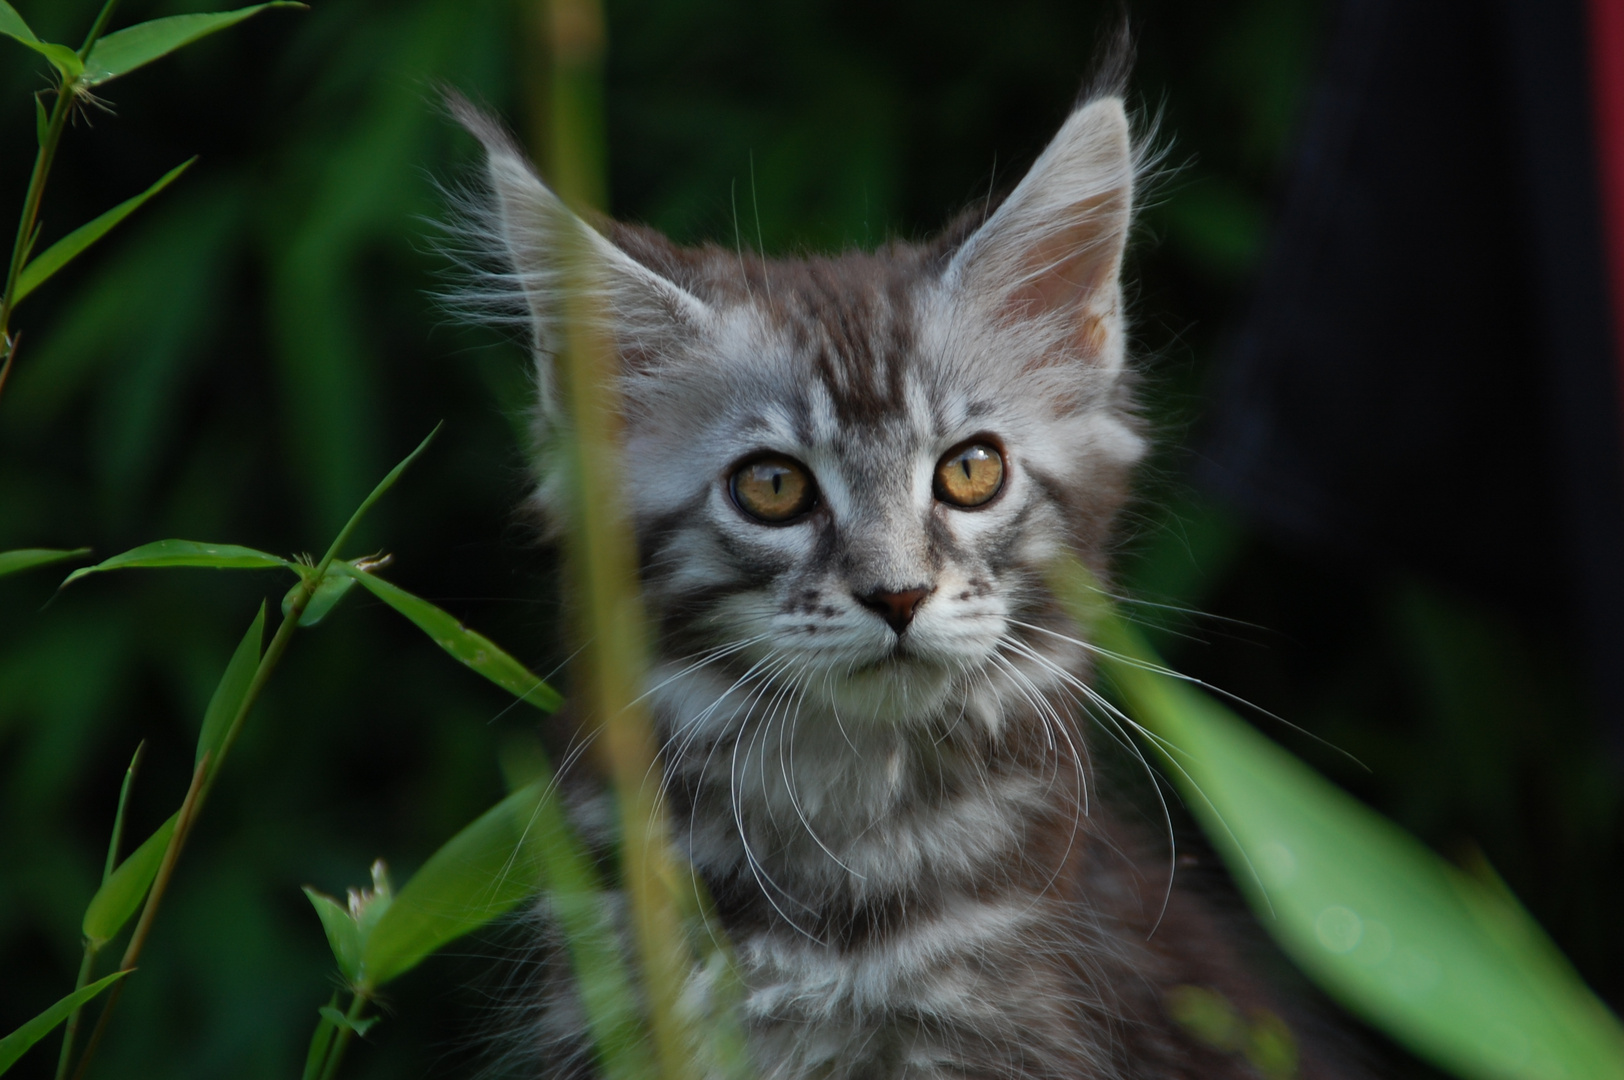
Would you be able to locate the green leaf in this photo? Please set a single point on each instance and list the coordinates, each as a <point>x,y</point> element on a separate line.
<point>472,649</point>
<point>377,493</point>
<point>42,122</point>
<point>187,553</point>
<point>229,693</point>
<point>126,887</point>
<point>479,874</point>
<point>14,1045</point>
<point>339,1020</point>
<point>64,250</point>
<point>1453,969</point>
<point>334,584</point>
<point>343,933</point>
<point>117,836</point>
<point>63,58</point>
<point>123,51</point>
<point>12,562</point>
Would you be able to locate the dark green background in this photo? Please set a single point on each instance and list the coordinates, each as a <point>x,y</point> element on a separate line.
<point>245,358</point>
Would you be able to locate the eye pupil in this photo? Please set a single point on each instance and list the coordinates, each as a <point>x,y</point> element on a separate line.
<point>773,489</point>
<point>969,475</point>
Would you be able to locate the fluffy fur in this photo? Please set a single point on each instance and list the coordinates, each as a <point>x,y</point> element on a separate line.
<point>897,827</point>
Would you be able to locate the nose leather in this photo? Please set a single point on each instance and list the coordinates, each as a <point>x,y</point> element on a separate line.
<point>896,608</point>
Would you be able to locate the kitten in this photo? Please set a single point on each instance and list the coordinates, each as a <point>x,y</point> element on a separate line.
<point>847,475</point>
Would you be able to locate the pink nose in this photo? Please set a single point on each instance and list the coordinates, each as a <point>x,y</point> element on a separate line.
<point>896,608</point>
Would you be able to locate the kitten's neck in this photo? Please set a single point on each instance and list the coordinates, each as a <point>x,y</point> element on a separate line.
<point>838,829</point>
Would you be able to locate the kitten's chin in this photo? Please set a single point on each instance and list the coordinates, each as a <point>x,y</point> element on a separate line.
<point>893,689</point>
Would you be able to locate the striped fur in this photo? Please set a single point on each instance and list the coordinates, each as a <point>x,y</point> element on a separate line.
<point>897,827</point>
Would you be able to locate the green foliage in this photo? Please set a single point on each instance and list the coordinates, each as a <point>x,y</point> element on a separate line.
<point>1454,968</point>
<point>482,872</point>
<point>123,51</point>
<point>40,268</point>
<point>64,59</point>
<point>473,650</point>
<point>12,562</point>
<point>163,553</point>
<point>230,694</point>
<point>119,896</point>
<point>13,1046</point>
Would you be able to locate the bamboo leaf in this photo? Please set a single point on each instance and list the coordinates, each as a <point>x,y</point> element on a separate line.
<point>63,58</point>
<point>12,562</point>
<point>479,874</point>
<point>343,934</point>
<point>331,1014</point>
<point>229,692</point>
<point>13,1046</point>
<point>123,51</point>
<point>1451,968</point>
<point>377,493</point>
<point>59,254</point>
<point>42,122</point>
<point>126,887</point>
<point>334,584</point>
<point>474,650</point>
<point>187,553</point>
<point>117,836</point>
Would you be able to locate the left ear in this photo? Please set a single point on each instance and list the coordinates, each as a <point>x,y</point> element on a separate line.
<point>1050,257</point>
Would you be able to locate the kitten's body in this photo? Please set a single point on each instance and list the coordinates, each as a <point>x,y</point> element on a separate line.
<point>890,806</point>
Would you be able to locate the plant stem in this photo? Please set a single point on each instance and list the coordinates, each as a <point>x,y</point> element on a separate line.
<point>341,1037</point>
<point>23,245</point>
<point>86,966</point>
<point>97,28</point>
<point>614,658</point>
<point>202,777</point>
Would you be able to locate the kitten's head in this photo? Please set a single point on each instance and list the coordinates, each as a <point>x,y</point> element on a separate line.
<point>851,471</point>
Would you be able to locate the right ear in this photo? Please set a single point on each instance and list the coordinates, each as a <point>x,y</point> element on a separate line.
<point>648,315</point>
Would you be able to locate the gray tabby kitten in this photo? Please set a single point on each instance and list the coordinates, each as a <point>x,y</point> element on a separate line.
<point>847,475</point>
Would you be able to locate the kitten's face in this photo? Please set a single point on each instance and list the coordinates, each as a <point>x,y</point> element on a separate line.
<point>859,488</point>
<point>850,473</point>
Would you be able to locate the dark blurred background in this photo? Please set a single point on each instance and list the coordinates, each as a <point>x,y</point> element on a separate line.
<point>1385,480</point>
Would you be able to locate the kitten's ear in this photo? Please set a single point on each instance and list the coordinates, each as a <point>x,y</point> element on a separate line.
<point>649,315</point>
<point>1049,258</point>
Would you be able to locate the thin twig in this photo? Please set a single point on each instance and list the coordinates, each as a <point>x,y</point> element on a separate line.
<point>341,1037</point>
<point>149,911</point>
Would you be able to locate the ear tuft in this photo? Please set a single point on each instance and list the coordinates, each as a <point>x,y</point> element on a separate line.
<point>532,235</point>
<point>1051,256</point>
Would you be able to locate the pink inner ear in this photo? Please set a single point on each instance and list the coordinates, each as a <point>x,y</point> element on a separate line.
<point>1073,272</point>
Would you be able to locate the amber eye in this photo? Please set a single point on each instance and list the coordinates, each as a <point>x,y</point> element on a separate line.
<point>969,474</point>
<point>773,489</point>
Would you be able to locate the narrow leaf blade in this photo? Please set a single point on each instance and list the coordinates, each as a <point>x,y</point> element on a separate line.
<point>13,1046</point>
<point>126,887</point>
<point>343,935</point>
<point>339,1020</point>
<point>123,51</point>
<point>474,650</point>
<point>377,493</point>
<point>12,562</point>
<point>1433,958</point>
<point>326,596</point>
<point>59,254</point>
<point>230,691</point>
<point>63,58</point>
<point>478,875</point>
<point>187,553</point>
